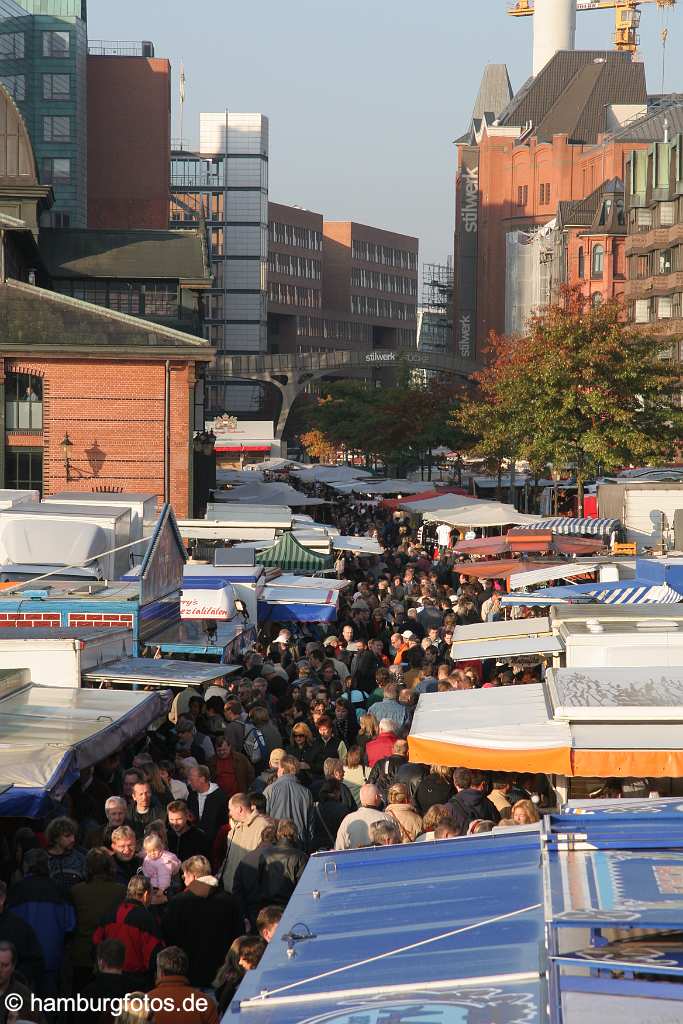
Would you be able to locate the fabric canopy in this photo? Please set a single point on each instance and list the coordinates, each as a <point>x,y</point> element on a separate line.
<point>298,604</point>
<point>585,525</point>
<point>267,494</point>
<point>288,554</point>
<point>530,577</point>
<point>325,474</point>
<point>496,570</point>
<point>386,486</point>
<point>484,513</point>
<point>426,495</point>
<point>528,541</point>
<point>619,592</point>
<point>359,545</point>
<point>49,734</point>
<point>442,503</point>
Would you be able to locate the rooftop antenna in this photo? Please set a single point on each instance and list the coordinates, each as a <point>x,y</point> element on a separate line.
<point>664,37</point>
<point>181,92</point>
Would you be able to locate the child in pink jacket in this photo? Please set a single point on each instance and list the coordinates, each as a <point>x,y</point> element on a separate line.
<point>159,865</point>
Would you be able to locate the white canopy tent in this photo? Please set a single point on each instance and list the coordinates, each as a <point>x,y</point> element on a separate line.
<point>358,545</point>
<point>261,493</point>
<point>442,503</point>
<point>485,513</point>
<point>326,474</point>
<point>380,487</point>
<point>569,571</point>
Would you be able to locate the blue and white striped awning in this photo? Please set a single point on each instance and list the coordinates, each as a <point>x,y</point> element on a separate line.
<point>619,592</point>
<point>581,525</point>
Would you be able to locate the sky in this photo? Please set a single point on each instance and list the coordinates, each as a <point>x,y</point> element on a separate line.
<point>364,97</point>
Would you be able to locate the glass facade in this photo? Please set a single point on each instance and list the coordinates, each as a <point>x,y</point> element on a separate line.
<point>43,54</point>
<point>225,183</point>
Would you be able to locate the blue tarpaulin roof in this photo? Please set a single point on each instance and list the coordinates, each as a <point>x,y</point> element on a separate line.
<point>482,929</point>
<point>409,925</point>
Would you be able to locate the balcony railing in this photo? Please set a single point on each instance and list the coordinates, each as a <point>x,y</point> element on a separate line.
<point>120,48</point>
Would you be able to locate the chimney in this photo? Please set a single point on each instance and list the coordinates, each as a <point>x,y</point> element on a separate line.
<point>554,29</point>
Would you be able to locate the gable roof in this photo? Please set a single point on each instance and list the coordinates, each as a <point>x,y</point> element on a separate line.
<point>582,212</point>
<point>570,94</point>
<point>35,319</point>
<point>157,255</point>
<point>287,553</point>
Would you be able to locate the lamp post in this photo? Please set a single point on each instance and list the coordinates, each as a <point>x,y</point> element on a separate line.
<point>66,446</point>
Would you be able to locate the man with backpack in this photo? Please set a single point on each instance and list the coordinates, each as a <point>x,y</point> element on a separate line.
<point>470,802</point>
<point>244,736</point>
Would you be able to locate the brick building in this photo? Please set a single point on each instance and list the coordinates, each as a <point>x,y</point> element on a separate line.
<point>592,234</point>
<point>338,284</point>
<point>557,141</point>
<point>90,397</point>
<point>129,137</point>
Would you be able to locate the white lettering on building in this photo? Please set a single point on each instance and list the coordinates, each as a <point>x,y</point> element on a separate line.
<point>469,211</point>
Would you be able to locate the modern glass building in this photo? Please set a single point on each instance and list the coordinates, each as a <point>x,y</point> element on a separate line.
<point>43,65</point>
<point>225,184</point>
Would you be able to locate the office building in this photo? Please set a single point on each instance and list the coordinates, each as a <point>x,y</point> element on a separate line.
<point>225,184</point>
<point>43,55</point>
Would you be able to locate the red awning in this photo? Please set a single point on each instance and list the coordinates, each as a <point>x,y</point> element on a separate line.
<point>503,569</point>
<point>483,546</point>
<point>393,503</point>
<point>243,448</point>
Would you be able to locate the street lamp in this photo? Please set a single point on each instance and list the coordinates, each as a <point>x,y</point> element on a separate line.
<point>66,446</point>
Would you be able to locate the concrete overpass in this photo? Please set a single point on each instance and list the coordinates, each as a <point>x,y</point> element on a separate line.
<point>291,372</point>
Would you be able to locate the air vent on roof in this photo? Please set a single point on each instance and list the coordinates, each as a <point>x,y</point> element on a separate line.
<point>87,589</point>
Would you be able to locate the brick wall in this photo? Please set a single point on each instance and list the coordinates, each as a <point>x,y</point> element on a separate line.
<point>85,619</point>
<point>113,413</point>
<point>30,619</point>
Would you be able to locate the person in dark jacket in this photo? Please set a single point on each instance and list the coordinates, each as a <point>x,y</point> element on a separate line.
<point>67,861</point>
<point>29,955</point>
<point>185,839</point>
<point>281,865</point>
<point>143,809</point>
<point>245,885</point>
<point>287,798</point>
<point>93,899</point>
<point>109,982</point>
<point>435,788</point>
<point>411,774</point>
<point>14,991</point>
<point>206,802</point>
<point>328,814</point>
<point>203,920</point>
<point>45,906</point>
<point>134,924</point>
<point>126,863</point>
<point>470,802</point>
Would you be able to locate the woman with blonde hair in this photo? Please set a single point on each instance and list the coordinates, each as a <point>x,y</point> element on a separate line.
<point>524,812</point>
<point>135,1009</point>
<point>401,810</point>
<point>355,773</point>
<point>369,728</point>
<point>436,787</point>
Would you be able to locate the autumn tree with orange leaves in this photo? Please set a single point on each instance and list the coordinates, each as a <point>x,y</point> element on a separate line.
<point>582,390</point>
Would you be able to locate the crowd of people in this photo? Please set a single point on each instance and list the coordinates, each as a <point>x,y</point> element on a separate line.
<point>167,868</point>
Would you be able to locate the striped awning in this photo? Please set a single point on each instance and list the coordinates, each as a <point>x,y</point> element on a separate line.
<point>583,524</point>
<point>619,592</point>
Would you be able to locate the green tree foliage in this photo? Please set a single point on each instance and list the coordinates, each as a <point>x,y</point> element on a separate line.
<point>582,390</point>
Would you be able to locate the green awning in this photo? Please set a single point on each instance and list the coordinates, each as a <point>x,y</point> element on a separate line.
<point>287,554</point>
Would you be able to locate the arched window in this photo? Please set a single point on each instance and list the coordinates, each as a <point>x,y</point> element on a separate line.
<point>582,262</point>
<point>23,402</point>
<point>598,260</point>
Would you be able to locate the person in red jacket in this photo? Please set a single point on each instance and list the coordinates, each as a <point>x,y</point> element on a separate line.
<point>382,745</point>
<point>134,924</point>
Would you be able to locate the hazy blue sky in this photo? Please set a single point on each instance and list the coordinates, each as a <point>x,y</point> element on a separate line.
<point>364,97</point>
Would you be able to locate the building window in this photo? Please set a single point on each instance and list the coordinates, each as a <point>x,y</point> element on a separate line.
<point>582,262</point>
<point>664,307</point>
<point>56,87</point>
<point>665,261</point>
<point>643,219</point>
<point>522,195</point>
<point>23,402</point>
<point>12,46</point>
<point>24,468</point>
<point>56,170</point>
<point>56,129</point>
<point>61,220</point>
<point>667,214</point>
<point>598,261</point>
<point>15,85</point>
<point>596,299</point>
<point>544,193</point>
<point>56,44</point>
<point>642,311</point>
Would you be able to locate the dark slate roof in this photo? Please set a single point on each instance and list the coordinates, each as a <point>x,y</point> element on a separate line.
<point>156,255</point>
<point>34,319</point>
<point>495,91</point>
<point>581,212</point>
<point>570,94</point>
<point>650,127</point>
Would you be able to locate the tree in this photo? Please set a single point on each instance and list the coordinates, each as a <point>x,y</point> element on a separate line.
<point>318,446</point>
<point>583,389</point>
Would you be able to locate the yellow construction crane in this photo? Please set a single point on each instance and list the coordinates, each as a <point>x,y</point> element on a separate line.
<point>626,17</point>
